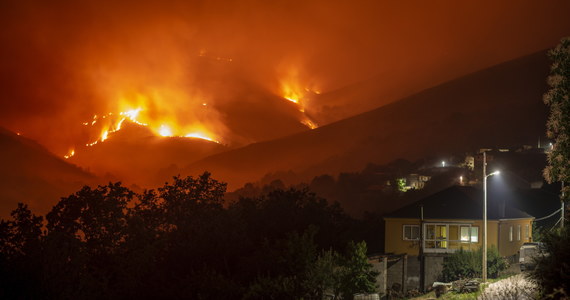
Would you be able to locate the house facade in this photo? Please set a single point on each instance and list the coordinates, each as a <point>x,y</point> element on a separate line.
<point>451,220</point>
<point>446,222</point>
<point>450,235</point>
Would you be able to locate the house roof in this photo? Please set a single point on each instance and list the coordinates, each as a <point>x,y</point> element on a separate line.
<point>459,202</point>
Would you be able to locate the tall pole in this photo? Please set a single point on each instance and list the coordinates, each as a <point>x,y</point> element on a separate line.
<point>484,275</point>
<point>562,208</point>
<point>422,258</point>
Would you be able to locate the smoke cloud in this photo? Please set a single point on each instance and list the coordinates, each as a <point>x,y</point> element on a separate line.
<point>194,62</point>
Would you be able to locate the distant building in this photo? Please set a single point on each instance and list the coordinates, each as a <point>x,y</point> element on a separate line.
<point>469,162</point>
<point>416,181</point>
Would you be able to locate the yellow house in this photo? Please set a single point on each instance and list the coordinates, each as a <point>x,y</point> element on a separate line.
<point>452,219</point>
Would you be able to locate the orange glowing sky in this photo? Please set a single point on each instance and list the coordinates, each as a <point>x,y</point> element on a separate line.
<point>216,69</point>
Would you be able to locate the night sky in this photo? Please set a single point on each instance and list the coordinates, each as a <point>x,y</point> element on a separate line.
<point>62,62</point>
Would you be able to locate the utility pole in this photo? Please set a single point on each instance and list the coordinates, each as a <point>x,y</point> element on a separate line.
<point>484,271</point>
<point>562,208</point>
<point>485,175</point>
<point>422,258</point>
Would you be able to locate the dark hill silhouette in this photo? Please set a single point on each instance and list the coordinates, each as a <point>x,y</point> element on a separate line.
<point>498,106</point>
<point>31,174</point>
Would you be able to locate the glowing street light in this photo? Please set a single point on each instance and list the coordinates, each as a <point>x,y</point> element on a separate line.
<point>485,175</point>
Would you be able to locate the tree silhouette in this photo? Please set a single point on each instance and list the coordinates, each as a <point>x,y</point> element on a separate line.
<point>20,249</point>
<point>558,124</point>
<point>178,241</point>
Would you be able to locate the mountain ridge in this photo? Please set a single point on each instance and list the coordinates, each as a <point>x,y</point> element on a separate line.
<point>478,103</point>
<point>33,175</point>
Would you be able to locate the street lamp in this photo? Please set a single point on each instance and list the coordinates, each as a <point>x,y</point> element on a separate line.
<point>485,175</point>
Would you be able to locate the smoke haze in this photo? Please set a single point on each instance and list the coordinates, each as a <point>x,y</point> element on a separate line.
<point>195,64</point>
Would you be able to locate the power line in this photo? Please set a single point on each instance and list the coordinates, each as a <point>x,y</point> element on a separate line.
<point>555,224</point>
<point>552,214</point>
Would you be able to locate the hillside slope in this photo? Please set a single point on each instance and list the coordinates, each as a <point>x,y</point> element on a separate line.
<point>499,106</point>
<point>134,155</point>
<point>31,174</point>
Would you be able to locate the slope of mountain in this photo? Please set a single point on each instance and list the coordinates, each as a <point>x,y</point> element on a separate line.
<point>134,155</point>
<point>249,112</point>
<point>499,106</point>
<point>32,175</point>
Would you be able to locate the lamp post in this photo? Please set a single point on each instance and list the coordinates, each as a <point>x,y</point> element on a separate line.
<point>485,175</point>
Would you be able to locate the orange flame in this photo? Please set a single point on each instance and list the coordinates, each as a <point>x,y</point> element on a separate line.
<point>292,90</point>
<point>70,154</point>
<point>165,126</point>
<point>166,129</point>
<point>292,93</point>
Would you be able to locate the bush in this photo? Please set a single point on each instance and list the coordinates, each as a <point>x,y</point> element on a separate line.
<point>552,271</point>
<point>467,264</point>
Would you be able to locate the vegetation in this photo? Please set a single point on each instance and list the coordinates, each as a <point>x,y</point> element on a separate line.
<point>558,125</point>
<point>552,272</point>
<point>467,264</point>
<point>512,287</point>
<point>179,241</point>
<point>375,188</point>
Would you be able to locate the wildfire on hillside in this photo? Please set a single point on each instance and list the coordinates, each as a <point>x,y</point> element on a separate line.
<point>138,112</point>
<point>70,154</point>
<point>161,125</point>
<point>63,62</point>
<point>292,90</point>
<point>169,109</point>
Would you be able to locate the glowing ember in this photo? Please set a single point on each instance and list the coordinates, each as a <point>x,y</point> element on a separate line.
<point>70,154</point>
<point>165,131</point>
<point>307,122</point>
<point>131,114</point>
<point>291,94</point>
<point>199,135</point>
<point>104,135</point>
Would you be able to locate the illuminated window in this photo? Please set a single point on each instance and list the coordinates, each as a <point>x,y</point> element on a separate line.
<point>449,237</point>
<point>411,232</point>
<point>436,236</point>
<point>465,233</point>
<point>469,234</point>
<point>526,231</point>
<point>518,232</point>
<point>441,234</point>
<point>511,234</point>
<point>474,234</point>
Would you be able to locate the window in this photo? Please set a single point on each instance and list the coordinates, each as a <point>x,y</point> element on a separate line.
<point>474,234</point>
<point>446,238</point>
<point>436,236</point>
<point>465,233</point>
<point>469,234</point>
<point>411,232</point>
<point>526,231</point>
<point>510,233</point>
<point>518,232</point>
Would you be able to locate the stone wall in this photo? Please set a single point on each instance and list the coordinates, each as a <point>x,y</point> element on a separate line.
<point>401,273</point>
